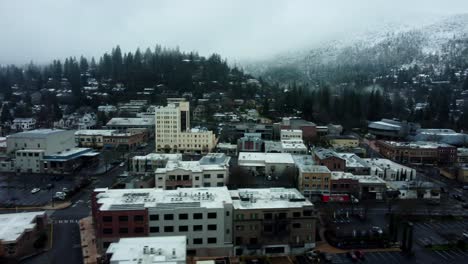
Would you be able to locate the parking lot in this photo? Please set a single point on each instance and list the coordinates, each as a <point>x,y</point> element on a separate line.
<point>438,233</point>
<point>15,190</point>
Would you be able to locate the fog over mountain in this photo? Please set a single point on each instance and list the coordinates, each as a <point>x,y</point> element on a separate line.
<point>238,30</point>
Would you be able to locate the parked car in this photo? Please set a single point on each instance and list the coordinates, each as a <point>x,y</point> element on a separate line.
<point>60,196</point>
<point>122,164</point>
<point>458,197</point>
<point>313,254</point>
<point>50,186</point>
<point>35,190</point>
<point>65,190</point>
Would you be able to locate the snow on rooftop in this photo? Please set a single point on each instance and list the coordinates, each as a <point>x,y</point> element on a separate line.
<point>352,160</point>
<point>268,198</point>
<point>385,163</point>
<point>159,156</point>
<point>418,144</point>
<point>95,132</point>
<point>336,175</point>
<point>121,121</point>
<point>264,158</point>
<point>148,250</point>
<point>138,199</point>
<point>14,225</point>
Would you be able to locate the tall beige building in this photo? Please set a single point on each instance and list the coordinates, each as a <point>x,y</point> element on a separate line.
<point>173,132</point>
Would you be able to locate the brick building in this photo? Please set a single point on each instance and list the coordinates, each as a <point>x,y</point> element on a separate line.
<point>418,152</point>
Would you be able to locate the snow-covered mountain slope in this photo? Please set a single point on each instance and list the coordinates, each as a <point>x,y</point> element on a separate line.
<point>390,45</point>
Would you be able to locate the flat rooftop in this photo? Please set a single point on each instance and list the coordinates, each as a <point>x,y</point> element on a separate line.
<point>70,154</point>
<point>353,160</point>
<point>159,156</point>
<point>138,199</point>
<point>131,121</point>
<point>253,158</point>
<point>95,132</point>
<point>268,198</point>
<point>336,175</point>
<point>36,133</point>
<point>14,225</point>
<point>148,250</point>
<point>417,144</point>
<point>385,163</point>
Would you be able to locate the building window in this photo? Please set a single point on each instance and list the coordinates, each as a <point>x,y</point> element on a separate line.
<point>253,216</point>
<point>183,228</point>
<point>139,230</point>
<point>197,178</point>
<point>239,227</point>
<point>107,231</point>
<point>168,217</point>
<point>212,227</point>
<point>138,218</point>
<point>154,229</point>
<point>220,184</point>
<point>282,216</point>
<point>212,215</point>
<point>168,229</point>
<point>154,217</point>
<point>268,216</point>
<point>183,216</point>
<point>197,241</point>
<point>307,213</point>
<point>297,214</point>
<point>107,219</point>
<point>123,218</point>
<point>206,176</point>
<point>212,240</point>
<point>198,216</point>
<point>123,230</point>
<point>268,228</point>
<point>253,241</point>
<point>197,228</point>
<point>220,176</point>
<point>238,240</point>
<point>296,225</point>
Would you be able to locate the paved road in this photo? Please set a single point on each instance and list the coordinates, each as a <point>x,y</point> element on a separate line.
<point>66,236</point>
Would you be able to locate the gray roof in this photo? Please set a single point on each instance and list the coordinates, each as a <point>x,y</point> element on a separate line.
<point>322,153</point>
<point>37,133</point>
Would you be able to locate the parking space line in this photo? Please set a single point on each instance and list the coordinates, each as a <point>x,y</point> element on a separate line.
<point>392,257</point>
<point>438,253</point>
<point>447,254</point>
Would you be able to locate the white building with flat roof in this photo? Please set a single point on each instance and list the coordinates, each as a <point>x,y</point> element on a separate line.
<point>148,250</point>
<point>389,170</point>
<point>210,171</point>
<point>266,164</point>
<point>203,215</point>
<point>148,164</point>
<point>173,132</point>
<point>46,150</point>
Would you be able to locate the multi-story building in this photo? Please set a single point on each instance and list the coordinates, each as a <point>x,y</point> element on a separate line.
<point>293,146</point>
<point>389,170</point>
<point>329,158</point>
<point>124,124</point>
<point>92,138</point>
<point>343,141</point>
<point>312,179</point>
<point>364,187</point>
<point>267,164</point>
<point>286,134</point>
<point>20,124</point>
<point>309,129</point>
<point>462,156</point>
<point>250,142</point>
<point>18,233</point>
<point>272,221</point>
<point>388,128</point>
<point>203,215</point>
<point>173,132</point>
<point>237,130</point>
<point>210,171</point>
<point>47,151</point>
<point>148,250</point>
<point>418,152</point>
<point>148,164</point>
<point>354,164</point>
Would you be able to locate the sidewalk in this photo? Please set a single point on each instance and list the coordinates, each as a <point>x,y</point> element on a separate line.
<point>88,241</point>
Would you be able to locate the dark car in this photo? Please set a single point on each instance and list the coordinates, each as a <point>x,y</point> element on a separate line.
<point>50,186</point>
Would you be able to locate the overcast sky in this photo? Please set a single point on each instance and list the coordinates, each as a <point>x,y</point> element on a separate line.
<point>41,30</point>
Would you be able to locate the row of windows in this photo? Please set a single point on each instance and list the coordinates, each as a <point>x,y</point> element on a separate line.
<point>123,230</point>
<point>183,228</point>
<point>316,178</point>
<point>123,218</point>
<point>316,186</point>
<point>269,216</point>
<point>212,215</point>
<point>27,154</point>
